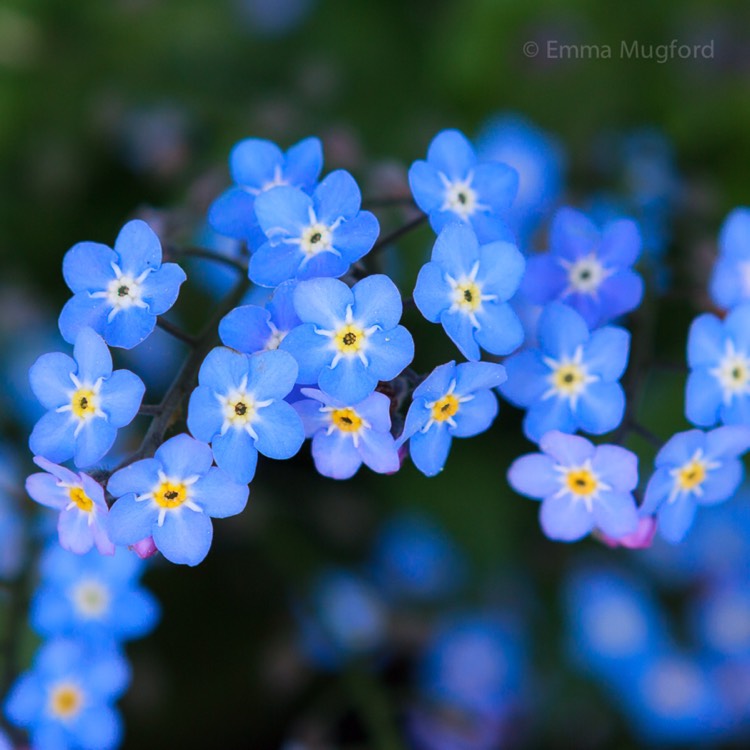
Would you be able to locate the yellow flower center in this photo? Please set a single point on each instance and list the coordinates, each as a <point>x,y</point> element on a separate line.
<point>91,598</point>
<point>691,475</point>
<point>83,403</point>
<point>568,378</point>
<point>170,494</point>
<point>445,408</point>
<point>468,296</point>
<point>347,420</point>
<point>65,700</point>
<point>349,339</point>
<point>581,482</point>
<point>81,499</point>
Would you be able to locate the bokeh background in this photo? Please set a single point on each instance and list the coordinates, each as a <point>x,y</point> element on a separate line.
<point>110,110</point>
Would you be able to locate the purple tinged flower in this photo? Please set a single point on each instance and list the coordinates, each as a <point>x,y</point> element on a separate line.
<point>256,166</point>
<point>311,236</point>
<point>239,408</point>
<point>694,468</point>
<point>587,269</point>
<point>86,402</point>
<point>581,486</point>
<point>466,287</point>
<point>172,497</point>
<point>349,338</point>
<point>453,186</point>
<point>252,328</point>
<point>718,352</point>
<point>80,499</point>
<point>344,436</point>
<point>453,401</point>
<point>730,281</point>
<point>571,381</point>
<point>119,292</point>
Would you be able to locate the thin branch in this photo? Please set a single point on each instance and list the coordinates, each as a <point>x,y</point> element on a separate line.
<point>200,252</point>
<point>389,201</point>
<point>176,331</point>
<point>389,239</point>
<point>150,410</point>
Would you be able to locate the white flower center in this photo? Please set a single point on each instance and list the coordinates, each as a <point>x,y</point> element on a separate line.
<point>459,196</point>
<point>733,373</point>
<point>275,338</point>
<point>585,275</point>
<point>91,599</point>
<point>123,292</point>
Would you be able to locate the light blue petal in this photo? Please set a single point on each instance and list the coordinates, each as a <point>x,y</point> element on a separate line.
<point>44,489</point>
<point>92,355</point>
<point>218,495</point>
<point>737,325</point>
<point>350,381</point>
<point>615,513</point>
<point>235,453</point>
<point>283,212</point>
<point>476,376</point>
<point>429,450</point>
<point>138,247</point>
<point>377,301</point>
<point>313,419</point>
<point>549,414</point>
<point>426,186</point>
<point>616,466</point>
<point>99,727</point>
<point>375,409</point>
<point>304,161</point>
<point>254,162</point>
<point>183,456</point>
<point>416,418</point>
<point>323,264</point>
<point>456,250</point>
<point>703,398</point>
<point>129,521</point>
<point>451,153</point>
<point>436,384</point>
<point>139,477</point>
<point>734,238</point>
<point>355,238</point>
<point>93,442</point>
<point>721,483</point>
<point>727,442</point>
<point>680,448</point>
<point>705,341</point>
<point>121,397</point>
<point>232,214</point>
<point>389,352</point>
<point>271,374</point>
<point>545,279</point>
<point>432,293</point>
<point>322,302</point>
<point>335,455</point>
<point>81,311</point>
<point>245,328</point>
<point>223,370</point>
<point>162,287</point>
<point>87,267</point>
<point>527,378</point>
<point>561,330</point>
<point>619,294</point>
<point>74,531</point>
<point>572,234</point>
<point>621,243</point>
<point>461,332</point>
<point>496,185</point>
<point>534,475</point>
<point>501,268</point>
<point>280,431</point>
<point>337,196</point>
<point>129,327</point>
<point>281,307</point>
<point>565,518</point>
<point>378,451</point>
<point>50,379</point>
<point>491,228</point>
<point>52,437</point>
<point>185,537</point>
<point>500,331</point>
<point>567,450</point>
<point>25,701</point>
<point>271,265</point>
<point>600,407</point>
<point>676,518</point>
<point>737,412</point>
<point>475,416</point>
<point>658,489</point>
<point>606,353</point>
<point>311,351</point>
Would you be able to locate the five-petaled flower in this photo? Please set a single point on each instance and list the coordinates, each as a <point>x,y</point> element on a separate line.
<point>310,236</point>
<point>344,436</point>
<point>581,486</point>
<point>453,186</point>
<point>119,292</point>
<point>694,468</point>
<point>87,402</point>
<point>587,269</point>
<point>349,338</point>
<point>239,408</point>
<point>453,401</point>
<point>570,381</point>
<point>172,497</point>
<point>466,286</point>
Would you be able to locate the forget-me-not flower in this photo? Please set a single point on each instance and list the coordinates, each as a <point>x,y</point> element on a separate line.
<point>86,402</point>
<point>730,281</point>
<point>119,292</point>
<point>581,486</point>
<point>571,381</point>
<point>466,287</point>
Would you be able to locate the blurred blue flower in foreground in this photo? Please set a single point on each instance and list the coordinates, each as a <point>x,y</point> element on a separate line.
<point>730,281</point>
<point>119,292</point>
<point>571,381</point>
<point>694,468</point>
<point>453,401</point>
<point>65,700</point>
<point>466,287</point>
<point>581,486</point>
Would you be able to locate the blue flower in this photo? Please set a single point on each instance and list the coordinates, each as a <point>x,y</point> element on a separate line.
<point>453,401</point>
<point>344,436</point>
<point>581,486</point>
<point>173,497</point>
<point>86,402</point>
<point>65,700</point>
<point>252,328</point>
<point>80,500</point>
<point>453,186</point>
<point>239,408</point>
<point>465,287</point>
<point>256,166</point>
<point>730,281</point>
<point>92,597</point>
<point>119,292</point>
<point>13,532</point>
<point>570,381</point>
<point>310,236</point>
<point>349,338</point>
<point>694,468</point>
<point>718,352</point>
<point>587,269</point>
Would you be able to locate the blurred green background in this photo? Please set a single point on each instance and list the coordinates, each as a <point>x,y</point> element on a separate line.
<point>110,108</point>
